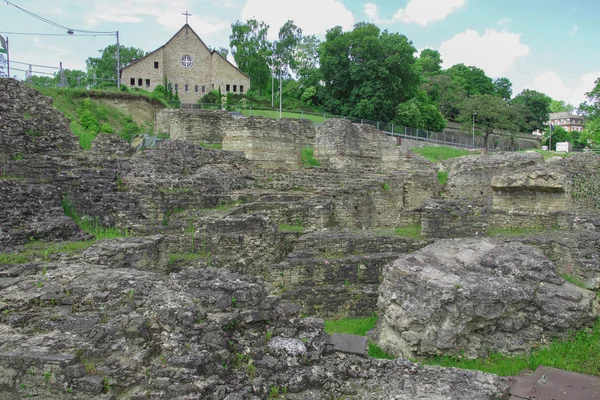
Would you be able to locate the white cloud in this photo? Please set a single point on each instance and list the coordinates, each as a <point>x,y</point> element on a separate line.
<point>494,52</point>
<point>421,12</point>
<point>574,30</point>
<point>551,84</point>
<point>504,21</point>
<point>168,14</point>
<point>314,17</point>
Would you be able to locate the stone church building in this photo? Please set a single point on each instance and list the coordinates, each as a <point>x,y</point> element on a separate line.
<point>190,67</point>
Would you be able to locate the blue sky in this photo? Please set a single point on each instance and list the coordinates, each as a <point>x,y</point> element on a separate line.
<point>547,45</point>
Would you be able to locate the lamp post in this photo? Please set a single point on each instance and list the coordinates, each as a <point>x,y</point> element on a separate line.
<point>474,114</point>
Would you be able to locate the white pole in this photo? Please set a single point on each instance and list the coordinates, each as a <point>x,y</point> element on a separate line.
<point>119,63</point>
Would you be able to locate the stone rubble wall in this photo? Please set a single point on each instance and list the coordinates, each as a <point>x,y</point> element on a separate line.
<point>142,110</point>
<point>453,218</point>
<point>196,126</point>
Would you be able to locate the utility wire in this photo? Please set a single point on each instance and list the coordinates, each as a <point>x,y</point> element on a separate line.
<point>33,65</point>
<point>57,34</point>
<point>37,72</point>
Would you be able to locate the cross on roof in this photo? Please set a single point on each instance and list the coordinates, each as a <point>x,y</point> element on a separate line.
<point>186,16</point>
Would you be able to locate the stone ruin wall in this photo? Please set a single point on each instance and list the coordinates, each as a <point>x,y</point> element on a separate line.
<point>196,126</point>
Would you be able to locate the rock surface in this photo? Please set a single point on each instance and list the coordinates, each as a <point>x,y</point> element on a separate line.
<point>79,330</point>
<point>475,296</point>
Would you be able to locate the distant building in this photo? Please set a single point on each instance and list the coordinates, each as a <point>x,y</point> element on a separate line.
<point>570,122</point>
<point>189,66</point>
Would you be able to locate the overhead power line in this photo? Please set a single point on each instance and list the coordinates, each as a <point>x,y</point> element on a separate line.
<point>57,34</point>
<point>46,20</point>
<point>33,65</point>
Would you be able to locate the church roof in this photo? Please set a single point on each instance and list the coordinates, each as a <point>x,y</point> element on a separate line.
<point>201,41</point>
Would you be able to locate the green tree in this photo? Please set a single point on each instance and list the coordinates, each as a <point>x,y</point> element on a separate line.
<point>559,134</point>
<point>472,79</point>
<point>503,88</point>
<point>306,67</point>
<point>560,106</point>
<point>251,51</point>
<point>494,116</point>
<point>538,108</point>
<point>286,46</point>
<point>366,72</point>
<point>43,80</point>
<point>104,68</point>
<point>420,112</point>
<point>224,51</point>
<point>446,93</point>
<point>429,62</point>
<point>591,110</point>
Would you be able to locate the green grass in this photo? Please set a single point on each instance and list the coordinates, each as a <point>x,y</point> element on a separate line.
<point>440,153</point>
<point>175,257</point>
<point>274,114</point>
<point>442,177</point>
<point>89,117</point>
<point>409,231</point>
<point>575,280</point>
<point>308,158</point>
<point>579,353</point>
<point>217,146</point>
<point>360,327</point>
<point>549,154</point>
<point>43,251</point>
<point>519,231</point>
<point>91,225</point>
<point>291,228</point>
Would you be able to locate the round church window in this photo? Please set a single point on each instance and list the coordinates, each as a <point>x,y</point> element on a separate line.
<point>187,61</point>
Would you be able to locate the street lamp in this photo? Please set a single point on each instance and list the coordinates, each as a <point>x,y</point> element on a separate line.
<point>474,114</point>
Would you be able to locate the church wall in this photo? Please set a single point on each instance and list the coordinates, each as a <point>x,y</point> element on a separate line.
<point>200,73</point>
<point>144,69</point>
<point>226,74</point>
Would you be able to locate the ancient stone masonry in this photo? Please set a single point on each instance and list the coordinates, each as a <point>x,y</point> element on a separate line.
<point>477,296</point>
<point>198,333</point>
<point>452,218</point>
<point>196,126</point>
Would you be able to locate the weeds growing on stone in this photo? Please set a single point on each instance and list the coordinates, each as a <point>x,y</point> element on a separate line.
<point>291,228</point>
<point>440,153</point>
<point>92,225</point>
<point>580,352</point>
<point>409,231</point>
<point>442,177</point>
<point>519,231</point>
<point>43,251</point>
<point>575,280</point>
<point>308,157</point>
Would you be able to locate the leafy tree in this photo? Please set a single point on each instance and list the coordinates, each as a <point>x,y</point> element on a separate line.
<point>560,134</point>
<point>420,112</point>
<point>538,108</point>
<point>285,48</point>
<point>591,110</point>
<point>104,68</point>
<point>306,66</point>
<point>429,62</point>
<point>251,51</point>
<point>366,72</point>
<point>43,80</point>
<point>472,79</point>
<point>224,51</point>
<point>494,116</point>
<point>503,88</point>
<point>560,106</point>
<point>446,93</point>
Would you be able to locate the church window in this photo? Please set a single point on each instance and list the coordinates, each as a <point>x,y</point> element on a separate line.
<point>177,87</point>
<point>147,82</point>
<point>203,89</point>
<point>186,87</point>
<point>170,86</point>
<point>156,64</point>
<point>234,88</point>
<point>241,88</point>
<point>140,81</point>
<point>227,87</point>
<point>196,88</point>
<point>132,81</point>
<point>187,61</point>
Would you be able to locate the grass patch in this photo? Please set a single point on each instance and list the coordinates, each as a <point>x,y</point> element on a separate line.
<point>291,228</point>
<point>216,146</point>
<point>440,153</point>
<point>274,114</point>
<point>409,231</point>
<point>578,353</point>
<point>91,225</point>
<point>186,257</point>
<point>575,280</point>
<point>549,154</point>
<point>442,177</point>
<point>308,157</point>
<point>35,251</point>
<point>360,327</point>
<point>519,231</point>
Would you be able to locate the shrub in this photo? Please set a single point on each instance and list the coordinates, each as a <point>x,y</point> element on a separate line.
<point>308,158</point>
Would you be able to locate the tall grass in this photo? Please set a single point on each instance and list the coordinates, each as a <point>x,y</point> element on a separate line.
<point>43,251</point>
<point>440,153</point>
<point>91,225</point>
<point>308,157</point>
